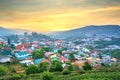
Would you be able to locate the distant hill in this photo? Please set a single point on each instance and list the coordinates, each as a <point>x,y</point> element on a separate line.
<point>103,30</point>
<point>5,31</point>
<point>20,31</point>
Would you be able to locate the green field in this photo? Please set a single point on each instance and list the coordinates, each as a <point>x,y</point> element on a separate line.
<point>76,75</point>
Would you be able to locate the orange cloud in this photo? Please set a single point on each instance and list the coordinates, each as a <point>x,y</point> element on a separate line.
<point>57,19</point>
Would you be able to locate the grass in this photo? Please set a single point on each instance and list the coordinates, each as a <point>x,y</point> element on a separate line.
<point>88,75</point>
<point>108,73</point>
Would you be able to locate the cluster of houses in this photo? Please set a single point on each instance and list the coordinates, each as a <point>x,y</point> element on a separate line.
<point>23,53</point>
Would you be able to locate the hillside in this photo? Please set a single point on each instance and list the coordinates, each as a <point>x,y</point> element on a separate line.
<point>104,30</point>
<point>6,32</point>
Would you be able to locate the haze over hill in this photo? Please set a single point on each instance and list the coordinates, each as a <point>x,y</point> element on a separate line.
<point>5,31</point>
<point>88,31</point>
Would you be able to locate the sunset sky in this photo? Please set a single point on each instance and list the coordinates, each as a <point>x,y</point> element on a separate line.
<point>57,15</point>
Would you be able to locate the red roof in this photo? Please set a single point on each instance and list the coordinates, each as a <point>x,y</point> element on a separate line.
<point>47,54</point>
<point>20,47</point>
<point>60,41</point>
<point>38,47</point>
<point>62,58</point>
<point>7,48</point>
<point>93,51</point>
<point>64,52</point>
<point>27,44</point>
<point>35,42</point>
<point>30,51</point>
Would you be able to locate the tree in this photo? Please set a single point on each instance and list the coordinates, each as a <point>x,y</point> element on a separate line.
<point>65,72</point>
<point>47,76</point>
<point>116,54</point>
<point>56,66</point>
<point>44,66</point>
<point>32,69</point>
<point>72,57</point>
<point>9,41</point>
<point>12,46</point>
<point>105,64</point>
<point>82,55</point>
<point>38,54</point>
<point>1,46</point>
<point>60,51</point>
<point>64,48</point>
<point>70,66</point>
<point>3,70</point>
<point>76,67</point>
<point>47,49</point>
<point>87,66</point>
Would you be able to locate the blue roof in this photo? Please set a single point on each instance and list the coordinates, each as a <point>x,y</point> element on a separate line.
<point>104,55</point>
<point>80,53</point>
<point>77,56</point>
<point>7,52</point>
<point>23,55</point>
<point>56,58</point>
<point>38,61</point>
<point>67,56</point>
<point>55,50</point>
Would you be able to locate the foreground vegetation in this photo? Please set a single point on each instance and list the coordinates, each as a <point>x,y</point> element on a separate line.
<point>80,75</point>
<point>105,73</point>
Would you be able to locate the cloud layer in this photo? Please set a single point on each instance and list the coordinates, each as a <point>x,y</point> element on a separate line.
<point>55,15</point>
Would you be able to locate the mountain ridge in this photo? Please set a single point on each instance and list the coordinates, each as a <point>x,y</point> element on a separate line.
<point>88,31</point>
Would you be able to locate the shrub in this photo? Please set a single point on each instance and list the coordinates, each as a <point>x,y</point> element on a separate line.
<point>32,69</point>
<point>65,72</point>
<point>87,66</point>
<point>56,66</point>
<point>81,72</point>
<point>3,70</point>
<point>44,66</point>
<point>76,68</point>
<point>105,65</point>
<point>47,76</point>
<point>14,77</point>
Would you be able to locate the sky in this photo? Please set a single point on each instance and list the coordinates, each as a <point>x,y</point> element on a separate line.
<point>58,15</point>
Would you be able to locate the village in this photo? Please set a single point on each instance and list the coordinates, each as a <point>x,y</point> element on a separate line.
<point>47,50</point>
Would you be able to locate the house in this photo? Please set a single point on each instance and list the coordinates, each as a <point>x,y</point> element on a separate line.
<point>4,59</point>
<point>79,63</point>
<point>65,66</point>
<point>64,52</point>
<point>30,51</point>
<point>38,61</point>
<point>20,47</point>
<point>64,59</point>
<point>27,62</point>
<point>89,58</point>
<point>93,51</point>
<point>106,58</point>
<point>35,47</point>
<point>27,45</point>
<point>54,57</point>
<point>35,44</point>
<point>48,54</point>
<point>86,50</point>
<point>7,50</point>
<point>67,56</point>
<point>55,50</point>
<point>77,56</point>
<point>114,60</point>
<point>23,55</point>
